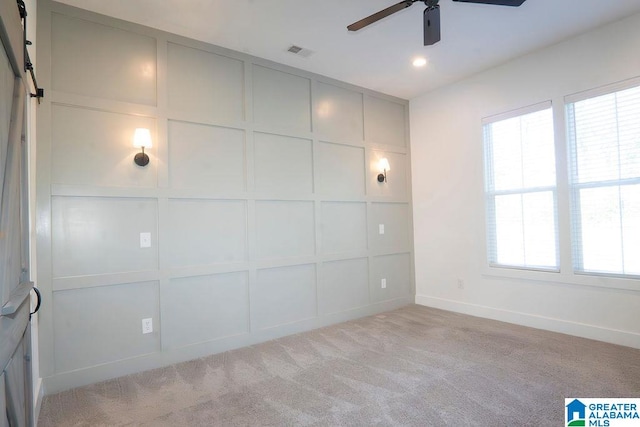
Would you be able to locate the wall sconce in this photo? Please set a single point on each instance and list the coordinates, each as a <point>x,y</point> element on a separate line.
<point>142,139</point>
<point>383,165</point>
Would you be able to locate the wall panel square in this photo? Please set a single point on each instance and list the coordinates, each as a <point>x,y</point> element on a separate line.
<point>205,84</point>
<point>281,99</point>
<point>90,147</point>
<point>397,270</point>
<point>94,235</point>
<point>104,324</point>
<point>395,218</point>
<point>344,227</point>
<point>343,285</point>
<point>209,157</point>
<point>283,295</point>
<point>340,170</point>
<point>204,232</point>
<point>283,164</point>
<point>384,122</point>
<point>96,60</point>
<point>338,114</point>
<point>284,229</point>
<point>204,308</point>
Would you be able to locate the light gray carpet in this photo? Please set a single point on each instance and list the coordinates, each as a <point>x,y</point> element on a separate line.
<point>414,366</point>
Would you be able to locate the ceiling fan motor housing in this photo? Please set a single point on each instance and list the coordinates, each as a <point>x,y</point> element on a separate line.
<point>431,25</point>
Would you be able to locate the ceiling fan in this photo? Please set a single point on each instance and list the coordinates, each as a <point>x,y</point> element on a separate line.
<point>431,16</point>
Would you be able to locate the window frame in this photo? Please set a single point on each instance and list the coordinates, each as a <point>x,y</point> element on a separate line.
<point>574,186</point>
<point>490,223</point>
<point>566,277</point>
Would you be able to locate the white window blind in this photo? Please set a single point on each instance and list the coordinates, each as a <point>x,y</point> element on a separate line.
<point>520,189</point>
<point>604,147</point>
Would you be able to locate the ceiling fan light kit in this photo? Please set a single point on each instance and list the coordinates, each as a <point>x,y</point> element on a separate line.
<point>431,15</point>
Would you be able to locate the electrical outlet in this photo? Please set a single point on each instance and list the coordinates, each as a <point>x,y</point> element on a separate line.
<point>460,284</point>
<point>145,240</point>
<point>383,283</point>
<point>381,228</point>
<point>147,326</point>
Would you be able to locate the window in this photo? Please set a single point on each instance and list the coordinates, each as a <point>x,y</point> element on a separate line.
<point>604,174</point>
<point>520,189</point>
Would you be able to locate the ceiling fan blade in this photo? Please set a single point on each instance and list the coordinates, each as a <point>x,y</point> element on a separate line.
<point>431,25</point>
<point>379,15</point>
<point>515,3</point>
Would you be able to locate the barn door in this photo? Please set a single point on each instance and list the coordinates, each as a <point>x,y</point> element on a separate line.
<point>15,370</point>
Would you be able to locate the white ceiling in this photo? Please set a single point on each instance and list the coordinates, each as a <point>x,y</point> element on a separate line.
<point>475,37</point>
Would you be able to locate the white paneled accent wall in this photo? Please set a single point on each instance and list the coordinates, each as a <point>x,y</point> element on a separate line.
<point>261,199</point>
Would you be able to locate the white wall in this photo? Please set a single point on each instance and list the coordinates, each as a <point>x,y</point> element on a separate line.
<point>447,169</point>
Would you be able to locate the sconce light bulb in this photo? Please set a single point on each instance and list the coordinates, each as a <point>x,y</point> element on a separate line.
<point>142,139</point>
<point>383,165</point>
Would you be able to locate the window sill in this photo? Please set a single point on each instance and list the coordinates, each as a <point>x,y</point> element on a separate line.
<point>598,280</point>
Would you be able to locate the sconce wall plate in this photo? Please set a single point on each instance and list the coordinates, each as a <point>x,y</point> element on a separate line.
<point>381,177</point>
<point>141,159</point>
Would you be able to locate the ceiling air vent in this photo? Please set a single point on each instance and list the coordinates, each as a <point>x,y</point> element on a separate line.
<point>299,51</point>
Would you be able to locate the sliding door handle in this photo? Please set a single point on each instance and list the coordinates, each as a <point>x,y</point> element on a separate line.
<point>38,301</point>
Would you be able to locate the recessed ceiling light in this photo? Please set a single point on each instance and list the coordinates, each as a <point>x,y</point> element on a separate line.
<point>419,62</point>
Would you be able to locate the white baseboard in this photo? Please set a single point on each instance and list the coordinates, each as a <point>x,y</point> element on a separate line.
<point>613,336</point>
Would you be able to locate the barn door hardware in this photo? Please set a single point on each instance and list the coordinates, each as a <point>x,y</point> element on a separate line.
<point>28,65</point>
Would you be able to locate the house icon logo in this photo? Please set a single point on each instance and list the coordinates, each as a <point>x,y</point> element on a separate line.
<point>576,413</point>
